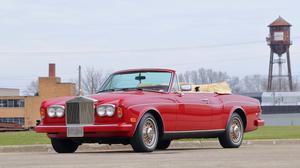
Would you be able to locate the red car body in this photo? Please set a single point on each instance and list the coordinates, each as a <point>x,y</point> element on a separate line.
<point>179,115</point>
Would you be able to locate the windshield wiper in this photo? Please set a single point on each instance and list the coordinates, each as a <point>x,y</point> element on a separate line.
<point>107,90</point>
<point>119,89</point>
<point>124,89</point>
<point>141,89</point>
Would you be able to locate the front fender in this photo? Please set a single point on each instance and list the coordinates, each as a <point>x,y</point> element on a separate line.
<point>240,110</point>
<point>138,111</point>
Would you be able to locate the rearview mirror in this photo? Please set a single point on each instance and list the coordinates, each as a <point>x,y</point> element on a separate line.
<point>186,88</point>
<point>139,78</point>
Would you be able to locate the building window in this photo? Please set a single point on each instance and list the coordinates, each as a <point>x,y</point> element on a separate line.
<point>15,120</point>
<point>3,103</point>
<point>11,103</point>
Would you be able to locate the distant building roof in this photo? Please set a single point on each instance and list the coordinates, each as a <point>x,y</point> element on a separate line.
<point>280,22</point>
<point>9,92</point>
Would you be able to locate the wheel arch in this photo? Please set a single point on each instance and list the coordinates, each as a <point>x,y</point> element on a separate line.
<point>156,114</point>
<point>241,112</point>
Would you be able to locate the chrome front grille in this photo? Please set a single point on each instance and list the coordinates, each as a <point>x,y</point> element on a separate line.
<point>73,113</point>
<point>80,110</point>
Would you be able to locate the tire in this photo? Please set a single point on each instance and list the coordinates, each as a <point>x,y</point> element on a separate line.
<point>233,136</point>
<point>64,145</point>
<point>146,135</point>
<point>163,144</point>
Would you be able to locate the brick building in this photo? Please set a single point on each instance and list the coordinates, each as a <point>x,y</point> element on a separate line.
<point>24,110</point>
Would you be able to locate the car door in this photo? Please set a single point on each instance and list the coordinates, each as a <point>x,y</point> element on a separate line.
<point>195,112</point>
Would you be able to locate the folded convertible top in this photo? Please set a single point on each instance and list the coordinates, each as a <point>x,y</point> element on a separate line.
<point>220,88</point>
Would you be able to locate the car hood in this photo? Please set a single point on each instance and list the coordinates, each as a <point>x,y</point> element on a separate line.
<point>102,97</point>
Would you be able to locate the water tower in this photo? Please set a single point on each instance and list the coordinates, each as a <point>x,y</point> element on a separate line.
<point>279,42</point>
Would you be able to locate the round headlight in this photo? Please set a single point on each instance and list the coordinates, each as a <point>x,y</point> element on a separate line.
<point>51,112</point>
<point>110,111</point>
<point>101,111</point>
<point>59,112</point>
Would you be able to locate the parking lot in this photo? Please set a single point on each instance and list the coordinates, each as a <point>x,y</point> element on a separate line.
<point>264,155</point>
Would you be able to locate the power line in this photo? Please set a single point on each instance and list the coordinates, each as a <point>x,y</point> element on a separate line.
<point>134,50</point>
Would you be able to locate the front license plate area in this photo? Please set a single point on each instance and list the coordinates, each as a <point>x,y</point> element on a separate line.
<point>75,131</point>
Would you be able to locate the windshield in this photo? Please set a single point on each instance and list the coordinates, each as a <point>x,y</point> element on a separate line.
<point>155,81</point>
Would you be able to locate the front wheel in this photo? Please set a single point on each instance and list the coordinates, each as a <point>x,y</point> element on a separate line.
<point>163,144</point>
<point>233,136</point>
<point>146,135</point>
<point>64,145</point>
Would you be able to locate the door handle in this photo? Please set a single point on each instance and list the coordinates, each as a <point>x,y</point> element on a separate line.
<point>204,100</point>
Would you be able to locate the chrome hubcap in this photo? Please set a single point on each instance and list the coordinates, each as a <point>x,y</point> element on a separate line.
<point>149,132</point>
<point>236,131</point>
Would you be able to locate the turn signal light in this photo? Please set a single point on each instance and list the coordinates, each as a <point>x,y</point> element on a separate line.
<point>133,120</point>
<point>42,113</point>
<point>120,112</point>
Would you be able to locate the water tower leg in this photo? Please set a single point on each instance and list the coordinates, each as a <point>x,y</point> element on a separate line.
<point>289,70</point>
<point>270,77</point>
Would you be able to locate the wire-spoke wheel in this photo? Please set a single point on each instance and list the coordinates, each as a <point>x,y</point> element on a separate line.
<point>149,132</point>
<point>235,130</point>
<point>146,135</point>
<point>233,136</point>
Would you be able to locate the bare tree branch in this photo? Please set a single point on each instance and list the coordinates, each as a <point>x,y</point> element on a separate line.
<point>32,89</point>
<point>92,80</point>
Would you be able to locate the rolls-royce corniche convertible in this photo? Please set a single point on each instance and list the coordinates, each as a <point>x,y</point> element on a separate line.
<point>147,108</point>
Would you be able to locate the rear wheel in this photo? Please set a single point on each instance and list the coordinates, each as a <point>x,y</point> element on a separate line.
<point>146,135</point>
<point>163,144</point>
<point>64,145</point>
<point>233,136</point>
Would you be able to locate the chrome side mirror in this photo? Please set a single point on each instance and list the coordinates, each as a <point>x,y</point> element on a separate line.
<point>186,88</point>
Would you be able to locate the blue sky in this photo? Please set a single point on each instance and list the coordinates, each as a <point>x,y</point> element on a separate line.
<point>119,34</point>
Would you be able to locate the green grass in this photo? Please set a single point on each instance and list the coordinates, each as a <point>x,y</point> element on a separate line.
<point>267,132</point>
<point>23,138</point>
<point>274,132</point>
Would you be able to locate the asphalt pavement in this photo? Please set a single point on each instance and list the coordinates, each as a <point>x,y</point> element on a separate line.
<point>261,155</point>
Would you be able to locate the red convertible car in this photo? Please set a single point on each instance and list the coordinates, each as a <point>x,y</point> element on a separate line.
<point>147,108</point>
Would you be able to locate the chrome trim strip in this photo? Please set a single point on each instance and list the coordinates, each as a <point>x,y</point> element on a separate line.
<point>89,98</point>
<point>56,106</point>
<point>195,131</point>
<point>78,125</point>
<point>175,103</point>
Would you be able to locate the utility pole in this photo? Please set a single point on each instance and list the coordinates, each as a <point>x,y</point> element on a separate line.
<point>93,85</point>
<point>79,81</point>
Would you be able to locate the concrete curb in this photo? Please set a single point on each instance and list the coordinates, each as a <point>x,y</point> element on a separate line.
<point>175,144</point>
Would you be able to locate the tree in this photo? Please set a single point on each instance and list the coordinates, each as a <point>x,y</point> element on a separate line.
<point>254,83</point>
<point>250,83</point>
<point>203,76</point>
<point>32,89</point>
<point>296,83</point>
<point>92,80</point>
<point>234,83</point>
